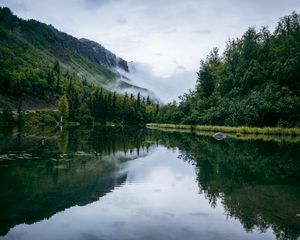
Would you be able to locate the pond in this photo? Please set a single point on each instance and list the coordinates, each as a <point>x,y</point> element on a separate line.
<point>108,183</point>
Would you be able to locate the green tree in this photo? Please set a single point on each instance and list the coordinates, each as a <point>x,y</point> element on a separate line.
<point>56,70</point>
<point>7,115</point>
<point>63,108</point>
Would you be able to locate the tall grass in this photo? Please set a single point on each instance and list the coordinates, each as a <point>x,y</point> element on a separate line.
<point>234,130</point>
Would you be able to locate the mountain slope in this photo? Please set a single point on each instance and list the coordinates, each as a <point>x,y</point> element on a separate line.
<point>34,46</point>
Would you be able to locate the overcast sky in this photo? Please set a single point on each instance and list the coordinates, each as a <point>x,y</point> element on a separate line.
<point>170,37</point>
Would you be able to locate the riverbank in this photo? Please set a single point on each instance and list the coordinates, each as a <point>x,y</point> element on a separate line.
<point>237,131</point>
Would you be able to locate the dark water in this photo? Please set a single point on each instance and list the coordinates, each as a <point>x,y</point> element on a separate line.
<point>145,184</point>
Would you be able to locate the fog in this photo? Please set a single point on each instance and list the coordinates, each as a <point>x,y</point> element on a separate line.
<point>165,88</point>
<point>165,39</point>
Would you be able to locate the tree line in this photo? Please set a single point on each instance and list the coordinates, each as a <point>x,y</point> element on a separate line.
<point>255,82</point>
<point>78,101</point>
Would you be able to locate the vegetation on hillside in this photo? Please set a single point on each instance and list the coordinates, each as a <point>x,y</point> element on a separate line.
<point>255,82</point>
<point>37,60</point>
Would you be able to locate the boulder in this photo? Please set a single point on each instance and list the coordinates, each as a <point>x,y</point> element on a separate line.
<point>219,136</point>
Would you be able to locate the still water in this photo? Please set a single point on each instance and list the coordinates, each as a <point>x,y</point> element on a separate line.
<point>145,184</point>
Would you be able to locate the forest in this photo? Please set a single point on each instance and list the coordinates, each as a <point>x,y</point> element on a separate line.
<point>37,60</point>
<point>79,101</point>
<point>255,82</point>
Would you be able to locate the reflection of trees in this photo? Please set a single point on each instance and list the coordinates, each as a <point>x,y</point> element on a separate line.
<point>38,180</point>
<point>256,181</point>
<point>63,141</point>
<point>265,206</point>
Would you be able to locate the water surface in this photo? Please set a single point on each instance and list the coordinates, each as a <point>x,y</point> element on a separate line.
<point>137,184</point>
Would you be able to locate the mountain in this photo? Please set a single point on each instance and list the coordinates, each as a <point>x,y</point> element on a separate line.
<point>28,49</point>
<point>98,54</point>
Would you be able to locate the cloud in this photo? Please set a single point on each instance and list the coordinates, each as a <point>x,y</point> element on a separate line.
<point>170,31</point>
<point>180,67</point>
<point>91,4</point>
<point>166,88</point>
<point>121,20</point>
<point>181,32</point>
<point>202,31</point>
<point>16,5</point>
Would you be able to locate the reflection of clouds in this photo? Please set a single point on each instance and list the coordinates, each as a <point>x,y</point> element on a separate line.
<point>18,234</point>
<point>89,236</point>
<point>135,211</point>
<point>198,214</point>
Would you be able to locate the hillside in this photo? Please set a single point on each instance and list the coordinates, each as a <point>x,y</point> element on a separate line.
<point>44,69</point>
<point>29,50</point>
<point>255,82</point>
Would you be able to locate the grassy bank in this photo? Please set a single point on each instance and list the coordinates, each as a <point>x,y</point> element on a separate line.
<point>230,130</point>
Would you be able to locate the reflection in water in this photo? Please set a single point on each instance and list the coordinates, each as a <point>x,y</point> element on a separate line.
<point>40,176</point>
<point>112,184</point>
<point>257,182</point>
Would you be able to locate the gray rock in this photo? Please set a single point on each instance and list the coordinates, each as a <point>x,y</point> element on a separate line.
<point>220,136</point>
<point>100,55</point>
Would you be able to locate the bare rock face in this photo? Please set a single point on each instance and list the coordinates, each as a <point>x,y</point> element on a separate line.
<point>60,44</point>
<point>220,136</point>
<point>98,54</point>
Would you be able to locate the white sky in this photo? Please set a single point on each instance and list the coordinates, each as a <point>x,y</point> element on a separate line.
<point>169,36</point>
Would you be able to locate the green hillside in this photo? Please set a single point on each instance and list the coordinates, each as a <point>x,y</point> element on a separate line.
<point>255,82</point>
<point>41,66</point>
<point>29,50</point>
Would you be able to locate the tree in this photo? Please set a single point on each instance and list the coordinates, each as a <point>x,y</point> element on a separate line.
<point>206,78</point>
<point>56,70</point>
<point>50,79</point>
<point>63,108</point>
<point>7,115</point>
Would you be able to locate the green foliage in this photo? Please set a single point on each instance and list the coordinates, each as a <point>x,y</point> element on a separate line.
<point>256,82</point>
<point>234,130</point>
<point>6,116</point>
<point>63,107</point>
<point>36,59</point>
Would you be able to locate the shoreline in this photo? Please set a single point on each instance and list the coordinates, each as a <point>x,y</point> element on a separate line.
<point>245,133</point>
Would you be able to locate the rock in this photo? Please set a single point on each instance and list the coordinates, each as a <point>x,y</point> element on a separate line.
<point>219,136</point>
<point>100,55</point>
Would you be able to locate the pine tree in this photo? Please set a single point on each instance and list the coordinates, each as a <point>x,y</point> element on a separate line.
<point>56,70</point>
<point>125,108</point>
<point>113,106</point>
<point>7,115</point>
<point>157,108</point>
<point>148,100</point>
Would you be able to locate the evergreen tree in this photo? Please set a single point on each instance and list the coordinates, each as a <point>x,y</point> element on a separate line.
<point>148,100</point>
<point>114,112</point>
<point>56,71</point>
<point>7,115</point>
